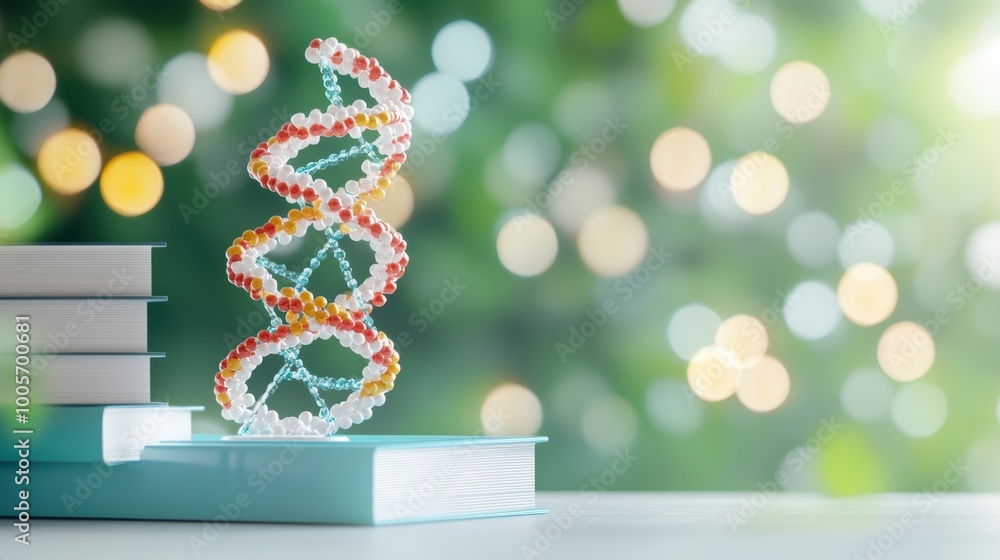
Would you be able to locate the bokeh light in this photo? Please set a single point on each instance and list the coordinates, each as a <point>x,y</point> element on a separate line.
<point>131,184</point>
<point>646,13</point>
<point>613,241</point>
<point>220,5</point>
<point>716,201</point>
<point>671,408</point>
<point>865,394</point>
<point>764,386</point>
<point>440,103</point>
<point>238,62</point>
<point>713,373</point>
<point>919,409</point>
<point>27,81</point>
<point>906,351</point>
<point>981,251</point>
<point>866,241</point>
<point>584,192</point>
<point>115,52</point>
<point>21,196</point>
<point>748,44</point>
<point>69,161</point>
<point>691,328</point>
<point>531,153</point>
<point>759,183</point>
<point>680,159</point>
<point>800,92</point>
<point>974,84</point>
<point>811,310</point>
<point>511,410</point>
<point>462,49</point>
<point>812,239</point>
<point>527,245</point>
<point>867,294</point>
<point>396,206</point>
<point>30,130</point>
<point>609,423</point>
<point>165,132</point>
<point>744,336</point>
<point>185,82</point>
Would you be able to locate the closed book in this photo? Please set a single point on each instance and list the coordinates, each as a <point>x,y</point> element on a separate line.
<point>45,270</point>
<point>368,480</point>
<point>84,379</point>
<point>109,434</point>
<point>77,324</point>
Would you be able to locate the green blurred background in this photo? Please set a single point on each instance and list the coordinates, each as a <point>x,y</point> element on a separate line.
<point>507,102</point>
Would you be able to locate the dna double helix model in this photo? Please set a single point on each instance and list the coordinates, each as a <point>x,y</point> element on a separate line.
<point>298,317</point>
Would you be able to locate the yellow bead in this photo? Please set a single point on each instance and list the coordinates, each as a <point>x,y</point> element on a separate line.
<point>289,227</point>
<point>272,140</point>
<point>234,364</point>
<point>382,183</point>
<point>361,119</point>
<point>227,373</point>
<point>296,328</point>
<point>250,237</point>
<point>256,284</point>
<point>294,214</point>
<point>344,229</point>
<point>234,250</point>
<point>321,316</point>
<point>393,368</point>
<point>275,221</point>
<point>377,194</point>
<point>309,309</point>
<point>321,302</point>
<point>309,213</point>
<point>288,291</point>
<point>222,398</point>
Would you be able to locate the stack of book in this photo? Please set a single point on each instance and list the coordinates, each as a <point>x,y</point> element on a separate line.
<point>86,442</point>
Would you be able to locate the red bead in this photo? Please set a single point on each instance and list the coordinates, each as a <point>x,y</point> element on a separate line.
<point>257,153</point>
<point>317,129</point>
<point>378,300</point>
<point>282,189</point>
<point>390,287</point>
<point>345,215</point>
<point>282,331</point>
<point>295,191</point>
<point>283,303</point>
<point>309,194</point>
<point>282,136</point>
<point>264,335</point>
<point>337,57</point>
<point>365,221</point>
<point>334,204</point>
<point>255,295</point>
<point>377,229</point>
<point>295,304</point>
<point>271,300</point>
<point>370,335</point>
<point>359,327</point>
<point>315,43</point>
<point>302,133</point>
<point>339,129</point>
<point>227,405</point>
<point>251,344</point>
<point>269,229</point>
<point>219,380</point>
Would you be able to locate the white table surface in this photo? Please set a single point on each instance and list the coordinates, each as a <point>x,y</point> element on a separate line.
<point>581,526</point>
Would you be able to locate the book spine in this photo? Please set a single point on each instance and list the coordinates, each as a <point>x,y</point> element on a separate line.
<point>198,483</point>
<point>59,433</point>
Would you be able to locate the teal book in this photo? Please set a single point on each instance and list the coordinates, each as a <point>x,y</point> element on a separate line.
<point>367,480</point>
<point>85,433</point>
